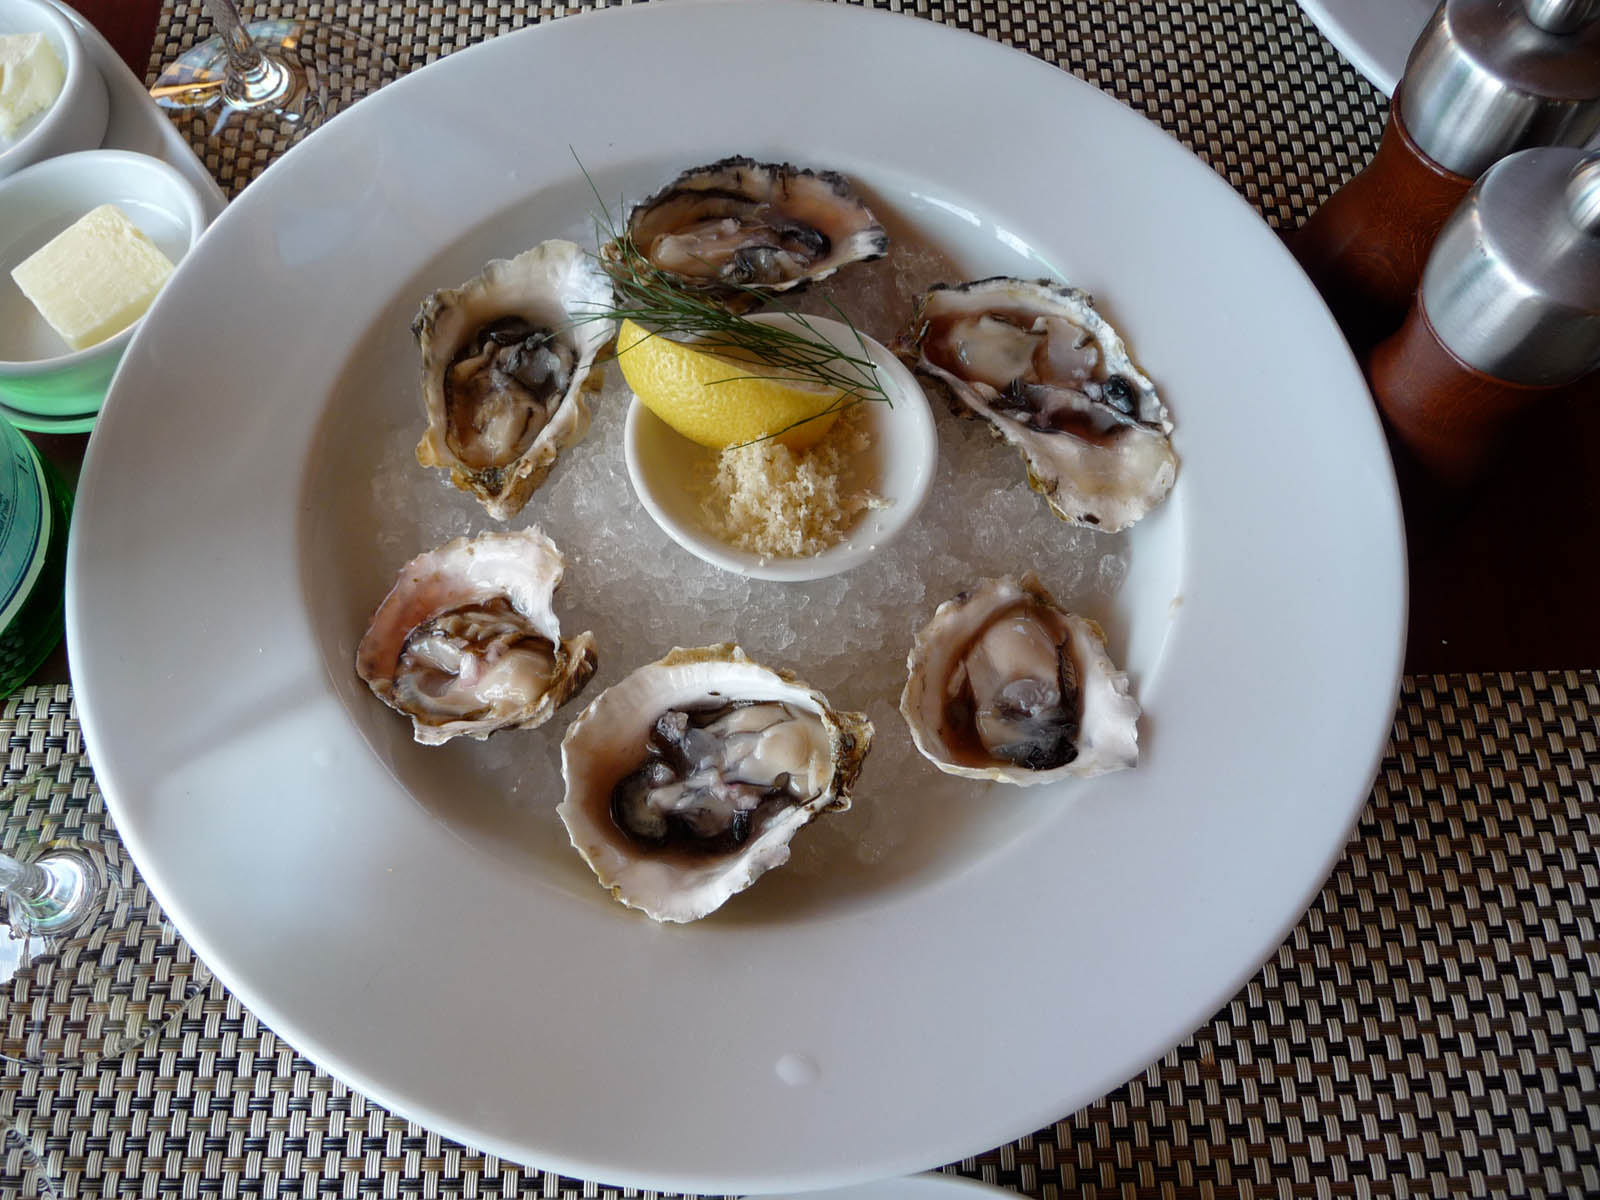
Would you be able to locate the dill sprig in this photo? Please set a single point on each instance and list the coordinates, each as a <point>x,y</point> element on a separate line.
<point>664,307</point>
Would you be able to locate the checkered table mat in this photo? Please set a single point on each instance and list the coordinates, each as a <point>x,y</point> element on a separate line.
<point>1251,87</point>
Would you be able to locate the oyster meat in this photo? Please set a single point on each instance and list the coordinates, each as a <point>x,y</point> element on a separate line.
<point>1005,684</point>
<point>686,781</point>
<point>1049,374</point>
<point>739,224</point>
<point>467,641</point>
<point>506,360</point>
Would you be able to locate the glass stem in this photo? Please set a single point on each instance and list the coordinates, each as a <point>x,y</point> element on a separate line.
<point>53,892</point>
<point>22,880</point>
<point>255,79</point>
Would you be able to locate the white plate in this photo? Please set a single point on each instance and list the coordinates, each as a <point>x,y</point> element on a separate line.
<point>1375,35</point>
<point>1022,952</point>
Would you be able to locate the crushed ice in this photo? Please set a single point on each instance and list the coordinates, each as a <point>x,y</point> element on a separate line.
<point>847,635</point>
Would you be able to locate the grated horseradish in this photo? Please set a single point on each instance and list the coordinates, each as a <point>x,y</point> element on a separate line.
<point>766,499</point>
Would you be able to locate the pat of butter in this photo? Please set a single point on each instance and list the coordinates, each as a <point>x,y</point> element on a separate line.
<point>30,78</point>
<point>95,278</point>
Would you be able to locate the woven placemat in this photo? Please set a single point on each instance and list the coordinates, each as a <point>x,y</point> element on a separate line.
<point>1430,1027</point>
<point>1252,88</point>
<point>96,992</point>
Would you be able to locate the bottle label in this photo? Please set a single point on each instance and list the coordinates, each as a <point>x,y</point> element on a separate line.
<point>24,522</point>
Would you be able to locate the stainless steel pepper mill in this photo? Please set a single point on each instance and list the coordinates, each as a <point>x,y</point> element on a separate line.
<point>1507,317</point>
<point>1485,79</point>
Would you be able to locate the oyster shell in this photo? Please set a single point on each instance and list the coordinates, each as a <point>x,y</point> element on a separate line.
<point>687,780</point>
<point>467,641</point>
<point>738,223</point>
<point>1005,684</point>
<point>505,368</point>
<point>1049,374</point>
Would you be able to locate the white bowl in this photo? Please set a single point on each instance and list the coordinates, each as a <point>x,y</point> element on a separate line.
<point>77,119</point>
<point>662,464</point>
<point>37,373</point>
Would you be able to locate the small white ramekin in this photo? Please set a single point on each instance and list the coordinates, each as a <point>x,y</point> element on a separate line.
<point>662,464</point>
<point>35,205</point>
<point>78,117</point>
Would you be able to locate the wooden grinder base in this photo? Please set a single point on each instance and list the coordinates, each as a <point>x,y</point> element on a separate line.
<point>1448,417</point>
<point>1366,247</point>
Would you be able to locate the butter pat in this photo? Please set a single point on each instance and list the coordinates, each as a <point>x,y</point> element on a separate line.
<point>31,76</point>
<point>95,278</point>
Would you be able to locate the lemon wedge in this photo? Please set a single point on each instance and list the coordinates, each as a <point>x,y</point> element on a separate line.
<point>719,401</point>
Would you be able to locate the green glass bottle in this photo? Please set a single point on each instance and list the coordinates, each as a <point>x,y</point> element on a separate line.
<point>35,509</point>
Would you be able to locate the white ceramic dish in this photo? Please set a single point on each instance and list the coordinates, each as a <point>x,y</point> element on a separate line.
<point>1375,35</point>
<point>77,119</point>
<point>137,124</point>
<point>38,373</point>
<point>78,423</point>
<point>662,466</point>
<point>442,948</point>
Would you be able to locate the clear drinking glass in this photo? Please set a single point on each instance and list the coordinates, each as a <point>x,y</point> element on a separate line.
<point>90,968</point>
<point>270,81</point>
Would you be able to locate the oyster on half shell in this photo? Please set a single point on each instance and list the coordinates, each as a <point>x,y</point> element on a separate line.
<point>506,360</point>
<point>738,223</point>
<point>1051,377</point>
<point>467,641</point>
<point>686,781</point>
<point>1005,684</point>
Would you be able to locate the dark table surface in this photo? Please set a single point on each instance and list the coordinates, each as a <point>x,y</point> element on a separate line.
<point>1502,579</point>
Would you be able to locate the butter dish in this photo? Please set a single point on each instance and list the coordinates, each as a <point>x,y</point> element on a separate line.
<point>134,123</point>
<point>40,374</point>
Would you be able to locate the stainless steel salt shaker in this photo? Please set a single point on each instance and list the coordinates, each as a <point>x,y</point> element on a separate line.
<point>1485,79</point>
<point>1507,316</point>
